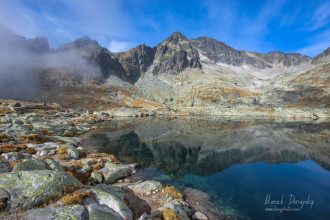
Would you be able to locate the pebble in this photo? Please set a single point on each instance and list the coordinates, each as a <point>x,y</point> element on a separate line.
<point>169,199</point>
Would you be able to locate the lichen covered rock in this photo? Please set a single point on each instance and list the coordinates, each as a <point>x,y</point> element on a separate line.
<point>54,165</point>
<point>70,212</point>
<point>114,172</point>
<point>145,186</point>
<point>113,202</point>
<point>4,167</point>
<point>29,165</point>
<point>100,212</point>
<point>28,189</point>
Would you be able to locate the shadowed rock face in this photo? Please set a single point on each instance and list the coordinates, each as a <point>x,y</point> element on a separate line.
<point>287,59</point>
<point>136,61</point>
<point>96,56</point>
<point>175,54</point>
<point>219,52</point>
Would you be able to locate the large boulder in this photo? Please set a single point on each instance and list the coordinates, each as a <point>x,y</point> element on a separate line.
<point>70,212</point>
<point>28,189</point>
<point>29,165</point>
<point>52,164</point>
<point>4,167</point>
<point>177,207</point>
<point>112,201</point>
<point>100,212</point>
<point>117,191</point>
<point>145,186</point>
<point>114,172</point>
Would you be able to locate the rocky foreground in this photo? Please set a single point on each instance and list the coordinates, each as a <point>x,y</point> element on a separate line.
<point>45,173</point>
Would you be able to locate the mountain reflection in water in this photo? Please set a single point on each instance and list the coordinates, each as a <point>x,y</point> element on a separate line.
<point>193,151</point>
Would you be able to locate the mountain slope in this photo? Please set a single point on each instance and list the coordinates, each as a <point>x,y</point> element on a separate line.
<point>186,76</point>
<point>175,54</point>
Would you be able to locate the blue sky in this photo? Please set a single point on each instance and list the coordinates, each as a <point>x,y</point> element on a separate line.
<point>286,25</point>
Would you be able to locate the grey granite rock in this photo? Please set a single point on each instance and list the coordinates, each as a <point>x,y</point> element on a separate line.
<point>175,54</point>
<point>54,165</point>
<point>29,165</point>
<point>28,189</point>
<point>100,212</point>
<point>4,167</point>
<point>112,201</point>
<point>114,172</point>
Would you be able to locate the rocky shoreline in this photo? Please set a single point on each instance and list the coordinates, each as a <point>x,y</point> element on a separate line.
<point>46,174</point>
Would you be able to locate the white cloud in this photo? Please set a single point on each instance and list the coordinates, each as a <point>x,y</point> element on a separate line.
<point>321,16</point>
<point>318,44</point>
<point>119,46</point>
<point>65,20</point>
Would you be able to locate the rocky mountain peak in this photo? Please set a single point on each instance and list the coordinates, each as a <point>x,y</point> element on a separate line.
<point>324,56</point>
<point>287,59</point>
<point>136,61</point>
<point>175,54</point>
<point>79,43</point>
<point>219,52</point>
<point>176,37</point>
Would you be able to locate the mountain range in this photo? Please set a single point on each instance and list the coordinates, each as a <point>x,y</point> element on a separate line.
<point>178,75</point>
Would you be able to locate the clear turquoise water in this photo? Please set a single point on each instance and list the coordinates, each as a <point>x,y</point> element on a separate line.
<point>237,162</point>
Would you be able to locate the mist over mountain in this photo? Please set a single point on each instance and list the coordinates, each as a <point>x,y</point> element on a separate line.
<point>23,60</point>
<point>190,72</point>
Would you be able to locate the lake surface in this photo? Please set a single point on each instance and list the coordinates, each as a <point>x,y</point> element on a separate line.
<point>251,169</point>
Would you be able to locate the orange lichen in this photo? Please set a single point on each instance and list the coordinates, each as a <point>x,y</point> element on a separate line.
<point>171,191</point>
<point>61,150</point>
<point>75,197</point>
<point>106,157</point>
<point>82,177</point>
<point>45,132</point>
<point>65,190</point>
<point>12,148</point>
<point>13,163</point>
<point>4,138</point>
<point>29,126</point>
<point>32,138</point>
<point>169,214</point>
<point>98,166</point>
<point>76,163</point>
<point>70,133</point>
<point>30,150</point>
